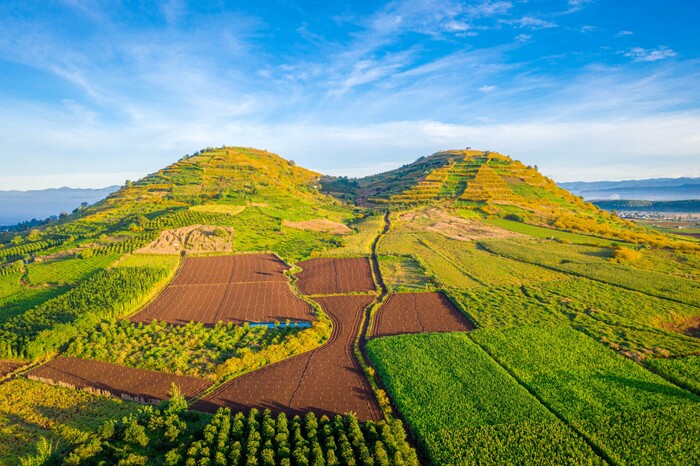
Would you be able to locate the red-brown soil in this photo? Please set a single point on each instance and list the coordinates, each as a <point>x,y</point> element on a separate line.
<point>335,276</point>
<point>237,289</point>
<point>9,366</point>
<point>327,380</point>
<point>417,313</point>
<point>231,269</point>
<point>126,382</point>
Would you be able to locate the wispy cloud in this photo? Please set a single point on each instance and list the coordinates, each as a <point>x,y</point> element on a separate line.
<point>396,82</point>
<point>624,33</point>
<point>531,22</point>
<point>650,55</point>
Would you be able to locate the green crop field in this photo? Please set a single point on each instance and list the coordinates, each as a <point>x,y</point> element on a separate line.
<point>16,298</point>
<point>486,268</point>
<point>465,409</point>
<point>631,414</point>
<point>508,306</point>
<point>404,274</point>
<point>67,271</point>
<point>684,372</point>
<point>548,233</point>
<point>593,263</point>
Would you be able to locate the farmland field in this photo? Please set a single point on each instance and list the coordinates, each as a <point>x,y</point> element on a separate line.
<point>442,271</point>
<point>126,382</point>
<point>418,313</point>
<point>684,372</point>
<point>236,303</point>
<point>465,409</point>
<point>7,367</point>
<point>228,289</point>
<point>17,298</point>
<point>546,233</point>
<point>593,263</point>
<point>404,274</point>
<point>632,415</point>
<point>67,271</point>
<point>335,276</point>
<point>230,269</point>
<point>327,380</point>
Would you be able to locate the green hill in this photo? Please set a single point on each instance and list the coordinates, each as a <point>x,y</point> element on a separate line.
<point>484,184</point>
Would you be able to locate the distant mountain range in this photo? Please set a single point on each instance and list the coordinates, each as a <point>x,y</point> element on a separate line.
<point>657,189</point>
<point>22,206</point>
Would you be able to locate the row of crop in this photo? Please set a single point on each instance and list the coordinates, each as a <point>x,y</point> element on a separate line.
<point>608,316</point>
<point>128,245</point>
<point>592,263</point>
<point>46,327</point>
<point>465,409</point>
<point>20,250</point>
<point>172,436</point>
<point>632,415</point>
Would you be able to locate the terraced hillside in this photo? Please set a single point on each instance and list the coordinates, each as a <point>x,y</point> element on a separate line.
<point>484,184</point>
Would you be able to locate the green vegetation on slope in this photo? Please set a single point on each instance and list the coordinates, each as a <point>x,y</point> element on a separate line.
<point>46,327</point>
<point>465,409</point>
<point>632,415</point>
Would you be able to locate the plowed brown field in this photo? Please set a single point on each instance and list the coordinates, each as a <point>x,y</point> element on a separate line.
<point>230,269</point>
<point>327,380</point>
<point>237,289</point>
<point>126,382</point>
<point>335,276</point>
<point>418,313</point>
<point>9,366</point>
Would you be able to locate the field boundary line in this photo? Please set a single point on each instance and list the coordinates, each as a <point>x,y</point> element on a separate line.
<point>157,290</point>
<point>483,247</point>
<point>594,446</point>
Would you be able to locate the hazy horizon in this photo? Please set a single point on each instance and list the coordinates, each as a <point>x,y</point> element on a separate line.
<point>98,92</point>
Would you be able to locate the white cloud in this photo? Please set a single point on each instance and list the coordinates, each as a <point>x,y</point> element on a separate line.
<point>649,55</point>
<point>624,33</point>
<point>487,89</point>
<point>531,22</point>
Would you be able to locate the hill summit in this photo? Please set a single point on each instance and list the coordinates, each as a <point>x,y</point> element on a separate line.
<point>479,184</point>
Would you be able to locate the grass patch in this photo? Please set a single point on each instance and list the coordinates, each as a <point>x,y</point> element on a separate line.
<point>404,274</point>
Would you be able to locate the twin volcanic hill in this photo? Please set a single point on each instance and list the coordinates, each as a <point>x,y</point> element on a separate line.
<point>499,317</point>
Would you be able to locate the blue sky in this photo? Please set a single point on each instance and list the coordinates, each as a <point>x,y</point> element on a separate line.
<point>96,92</point>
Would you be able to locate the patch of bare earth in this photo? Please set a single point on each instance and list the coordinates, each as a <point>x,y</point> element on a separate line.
<point>689,327</point>
<point>451,226</point>
<point>319,224</point>
<point>193,239</point>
